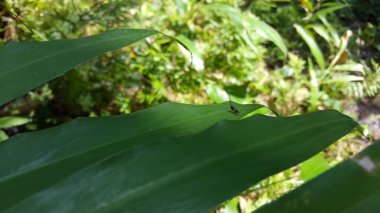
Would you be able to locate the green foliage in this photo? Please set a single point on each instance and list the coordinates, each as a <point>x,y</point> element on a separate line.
<point>254,54</point>
<point>370,86</point>
<point>312,45</point>
<point>96,152</point>
<point>11,121</point>
<point>3,136</point>
<point>230,48</point>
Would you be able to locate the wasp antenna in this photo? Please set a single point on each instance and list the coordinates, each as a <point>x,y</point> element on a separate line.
<point>229,98</point>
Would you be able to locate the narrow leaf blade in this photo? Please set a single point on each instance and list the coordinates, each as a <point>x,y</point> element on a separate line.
<point>269,33</point>
<point>313,46</point>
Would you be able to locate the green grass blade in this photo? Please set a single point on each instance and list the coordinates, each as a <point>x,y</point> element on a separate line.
<point>269,33</point>
<point>313,46</point>
<point>239,19</point>
<point>232,12</point>
<point>27,65</point>
<point>322,31</point>
<point>328,8</point>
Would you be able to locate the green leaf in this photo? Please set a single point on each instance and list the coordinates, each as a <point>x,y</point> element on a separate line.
<point>328,8</point>
<point>313,46</point>
<point>239,20</point>
<point>232,12</point>
<point>132,163</point>
<point>352,67</point>
<point>232,206</point>
<point>313,167</point>
<point>267,32</point>
<point>322,31</point>
<point>352,186</point>
<point>80,142</point>
<point>197,59</point>
<point>3,136</point>
<point>332,31</point>
<point>26,65</point>
<point>216,93</point>
<point>11,121</point>
<point>344,79</point>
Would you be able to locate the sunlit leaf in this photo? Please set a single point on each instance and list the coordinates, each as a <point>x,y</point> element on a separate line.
<point>269,33</point>
<point>313,167</point>
<point>11,121</point>
<point>344,78</point>
<point>331,30</point>
<point>353,67</point>
<point>328,8</point>
<point>240,20</point>
<point>232,12</point>
<point>313,46</point>
<point>322,31</point>
<point>216,93</point>
<point>3,136</point>
<point>197,59</point>
<point>232,206</point>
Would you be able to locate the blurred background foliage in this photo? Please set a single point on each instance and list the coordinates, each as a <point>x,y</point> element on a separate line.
<point>293,56</point>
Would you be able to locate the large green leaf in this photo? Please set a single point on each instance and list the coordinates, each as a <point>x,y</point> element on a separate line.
<point>84,140</point>
<point>352,186</point>
<point>26,65</point>
<point>150,161</point>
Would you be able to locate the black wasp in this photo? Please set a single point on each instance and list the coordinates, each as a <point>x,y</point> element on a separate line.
<point>233,109</point>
